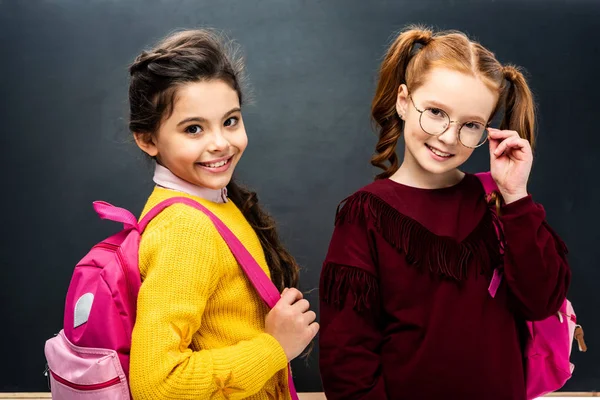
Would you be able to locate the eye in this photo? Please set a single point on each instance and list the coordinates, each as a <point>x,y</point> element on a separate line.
<point>436,114</point>
<point>194,129</point>
<point>474,126</point>
<point>232,121</point>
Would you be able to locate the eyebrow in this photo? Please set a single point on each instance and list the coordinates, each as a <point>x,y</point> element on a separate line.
<point>444,108</point>
<point>202,119</point>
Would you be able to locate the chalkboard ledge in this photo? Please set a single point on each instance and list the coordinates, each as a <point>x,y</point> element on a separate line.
<point>303,396</point>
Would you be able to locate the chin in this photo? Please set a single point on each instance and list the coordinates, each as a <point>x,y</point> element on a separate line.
<point>214,185</point>
<point>434,167</point>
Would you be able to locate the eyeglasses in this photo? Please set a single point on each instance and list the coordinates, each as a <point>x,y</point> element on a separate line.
<point>435,122</point>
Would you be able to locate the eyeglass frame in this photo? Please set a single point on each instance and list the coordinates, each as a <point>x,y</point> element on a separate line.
<point>487,125</point>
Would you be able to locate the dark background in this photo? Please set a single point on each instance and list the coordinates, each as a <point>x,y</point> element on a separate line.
<point>312,65</point>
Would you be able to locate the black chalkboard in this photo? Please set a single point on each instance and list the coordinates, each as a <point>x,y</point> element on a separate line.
<point>312,65</point>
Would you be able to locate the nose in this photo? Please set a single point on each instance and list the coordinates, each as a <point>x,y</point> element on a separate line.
<point>219,142</point>
<point>450,136</point>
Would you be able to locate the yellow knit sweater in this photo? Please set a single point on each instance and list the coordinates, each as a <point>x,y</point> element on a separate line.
<point>199,332</point>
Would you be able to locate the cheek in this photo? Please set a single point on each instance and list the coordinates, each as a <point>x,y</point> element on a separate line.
<point>240,140</point>
<point>414,134</point>
<point>464,153</point>
<point>188,149</point>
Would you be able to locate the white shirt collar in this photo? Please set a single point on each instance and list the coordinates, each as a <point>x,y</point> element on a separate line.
<point>165,178</point>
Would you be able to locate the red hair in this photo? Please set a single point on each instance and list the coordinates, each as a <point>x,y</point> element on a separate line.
<point>413,54</point>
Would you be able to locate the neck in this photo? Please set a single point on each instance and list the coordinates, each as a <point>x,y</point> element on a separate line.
<point>412,174</point>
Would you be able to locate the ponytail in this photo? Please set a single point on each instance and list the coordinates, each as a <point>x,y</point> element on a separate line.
<point>519,108</point>
<point>519,114</point>
<point>383,109</point>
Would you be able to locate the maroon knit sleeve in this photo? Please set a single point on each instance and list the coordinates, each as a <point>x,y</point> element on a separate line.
<point>535,266</point>
<point>350,337</point>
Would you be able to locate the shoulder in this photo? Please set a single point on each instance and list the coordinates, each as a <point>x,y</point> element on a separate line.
<point>181,242</point>
<point>404,198</point>
<point>370,201</point>
<point>180,218</point>
<point>378,189</point>
<point>177,225</point>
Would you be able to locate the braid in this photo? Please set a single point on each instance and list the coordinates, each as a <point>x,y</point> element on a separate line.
<point>145,58</point>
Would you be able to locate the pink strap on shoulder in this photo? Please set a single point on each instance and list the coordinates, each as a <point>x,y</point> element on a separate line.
<point>489,185</point>
<point>265,288</point>
<point>108,211</point>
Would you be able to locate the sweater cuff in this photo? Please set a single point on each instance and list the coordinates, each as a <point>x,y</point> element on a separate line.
<point>276,359</point>
<point>519,207</point>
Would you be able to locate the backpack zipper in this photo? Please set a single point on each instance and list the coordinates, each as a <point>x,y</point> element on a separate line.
<point>47,375</point>
<point>570,316</point>
<point>117,251</point>
<point>579,338</point>
<point>578,334</point>
<point>95,386</point>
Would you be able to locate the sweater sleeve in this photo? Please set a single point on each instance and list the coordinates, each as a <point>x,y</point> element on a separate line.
<point>182,274</point>
<point>535,267</point>
<point>350,338</point>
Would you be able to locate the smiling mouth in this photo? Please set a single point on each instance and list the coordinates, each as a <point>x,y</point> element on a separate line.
<point>438,152</point>
<point>217,164</point>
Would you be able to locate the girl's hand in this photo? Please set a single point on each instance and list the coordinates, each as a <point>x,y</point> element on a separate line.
<point>292,323</point>
<point>510,163</point>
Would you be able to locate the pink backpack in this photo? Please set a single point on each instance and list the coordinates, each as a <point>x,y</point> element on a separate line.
<point>549,344</point>
<point>89,358</point>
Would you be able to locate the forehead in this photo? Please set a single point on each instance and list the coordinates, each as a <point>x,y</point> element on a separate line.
<point>462,94</point>
<point>208,99</point>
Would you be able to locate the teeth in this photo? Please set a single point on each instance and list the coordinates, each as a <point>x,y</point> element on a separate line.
<point>439,153</point>
<point>216,165</point>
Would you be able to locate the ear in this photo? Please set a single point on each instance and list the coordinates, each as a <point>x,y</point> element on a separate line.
<point>402,101</point>
<point>145,141</point>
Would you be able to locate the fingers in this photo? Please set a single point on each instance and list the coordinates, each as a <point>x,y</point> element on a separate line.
<point>512,142</point>
<point>493,144</point>
<point>290,296</point>
<point>496,136</point>
<point>294,298</point>
<point>302,305</point>
<point>501,134</point>
<point>314,329</point>
<point>309,317</point>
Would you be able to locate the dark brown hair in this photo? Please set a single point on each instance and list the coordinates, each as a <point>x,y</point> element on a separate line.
<point>193,56</point>
<point>413,54</point>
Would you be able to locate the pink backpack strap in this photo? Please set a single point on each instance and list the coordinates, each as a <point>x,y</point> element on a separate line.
<point>108,211</point>
<point>265,288</point>
<point>489,185</point>
<point>495,283</point>
<point>267,291</point>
